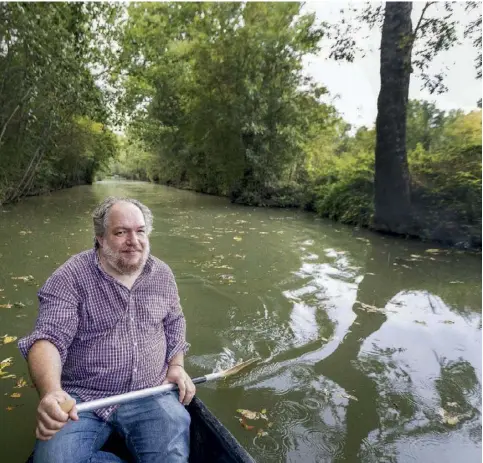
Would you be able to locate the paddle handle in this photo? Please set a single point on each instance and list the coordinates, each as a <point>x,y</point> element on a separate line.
<point>129,396</point>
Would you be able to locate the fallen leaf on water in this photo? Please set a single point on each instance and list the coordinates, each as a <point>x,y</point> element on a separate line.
<point>369,308</point>
<point>419,322</point>
<point>456,282</point>
<point>449,418</point>
<point>9,409</point>
<point>237,238</point>
<point>324,339</point>
<point>19,304</point>
<point>16,395</point>
<point>264,411</point>
<point>6,362</point>
<point>452,404</point>
<point>20,383</point>
<point>24,278</point>
<point>249,414</point>
<point>350,397</point>
<point>262,433</point>
<point>269,425</point>
<point>433,251</point>
<point>6,377</point>
<point>6,306</point>
<point>447,322</point>
<point>7,339</point>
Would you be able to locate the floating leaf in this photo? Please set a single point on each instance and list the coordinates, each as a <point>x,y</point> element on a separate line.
<point>6,306</point>
<point>433,251</point>
<point>6,362</point>
<point>447,322</point>
<point>20,383</point>
<point>452,404</point>
<point>9,409</point>
<point>237,238</point>
<point>456,282</point>
<point>452,420</point>
<point>264,411</point>
<point>350,397</point>
<point>419,322</point>
<point>8,339</point>
<point>7,376</point>
<point>24,278</point>
<point>369,308</point>
<point>262,433</point>
<point>19,304</point>
<point>16,395</point>
<point>249,414</point>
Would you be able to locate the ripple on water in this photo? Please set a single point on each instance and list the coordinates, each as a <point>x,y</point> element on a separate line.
<point>311,403</point>
<point>322,444</point>
<point>290,414</point>
<point>267,447</point>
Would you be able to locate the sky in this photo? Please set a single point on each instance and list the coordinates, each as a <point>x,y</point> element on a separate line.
<point>354,87</point>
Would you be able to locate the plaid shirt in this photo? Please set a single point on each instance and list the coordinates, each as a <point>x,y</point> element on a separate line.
<point>111,339</point>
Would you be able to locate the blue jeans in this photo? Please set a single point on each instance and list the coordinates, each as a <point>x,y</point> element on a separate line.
<point>155,429</point>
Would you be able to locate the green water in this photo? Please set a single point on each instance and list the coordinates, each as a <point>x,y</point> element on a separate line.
<point>339,381</point>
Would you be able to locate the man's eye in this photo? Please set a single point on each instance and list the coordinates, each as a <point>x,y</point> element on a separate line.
<point>141,231</point>
<point>119,233</point>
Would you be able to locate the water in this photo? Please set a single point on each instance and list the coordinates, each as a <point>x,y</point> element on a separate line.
<point>370,345</point>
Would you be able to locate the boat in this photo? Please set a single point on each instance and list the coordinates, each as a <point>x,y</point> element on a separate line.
<point>210,440</point>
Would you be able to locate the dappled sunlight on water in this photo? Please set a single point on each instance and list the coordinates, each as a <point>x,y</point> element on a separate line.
<point>370,346</point>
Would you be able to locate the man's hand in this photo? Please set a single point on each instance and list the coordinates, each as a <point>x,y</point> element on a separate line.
<point>176,374</point>
<point>50,417</point>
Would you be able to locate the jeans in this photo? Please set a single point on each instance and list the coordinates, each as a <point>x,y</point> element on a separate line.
<point>155,429</point>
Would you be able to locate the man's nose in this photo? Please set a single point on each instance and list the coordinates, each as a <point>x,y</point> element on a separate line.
<point>132,238</point>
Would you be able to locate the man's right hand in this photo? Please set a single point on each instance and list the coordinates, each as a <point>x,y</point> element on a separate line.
<point>50,416</point>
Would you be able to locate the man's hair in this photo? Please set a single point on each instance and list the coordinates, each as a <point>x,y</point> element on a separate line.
<point>101,214</point>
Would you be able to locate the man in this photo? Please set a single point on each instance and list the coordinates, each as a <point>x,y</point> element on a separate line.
<point>110,322</point>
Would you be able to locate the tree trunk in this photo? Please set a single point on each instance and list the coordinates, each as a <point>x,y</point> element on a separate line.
<point>392,183</point>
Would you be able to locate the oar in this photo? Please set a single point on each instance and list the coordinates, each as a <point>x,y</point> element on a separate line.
<point>128,396</point>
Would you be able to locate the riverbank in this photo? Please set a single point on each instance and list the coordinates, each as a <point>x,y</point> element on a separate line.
<point>435,226</point>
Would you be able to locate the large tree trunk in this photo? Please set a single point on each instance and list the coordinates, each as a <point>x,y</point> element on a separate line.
<point>392,183</point>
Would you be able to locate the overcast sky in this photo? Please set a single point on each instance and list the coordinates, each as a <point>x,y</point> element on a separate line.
<point>354,87</point>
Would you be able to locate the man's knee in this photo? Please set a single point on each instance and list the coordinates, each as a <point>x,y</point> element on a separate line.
<point>74,443</point>
<point>176,411</point>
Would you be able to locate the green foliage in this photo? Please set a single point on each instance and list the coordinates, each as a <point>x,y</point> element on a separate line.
<point>447,183</point>
<point>345,191</point>
<point>49,99</point>
<point>214,91</point>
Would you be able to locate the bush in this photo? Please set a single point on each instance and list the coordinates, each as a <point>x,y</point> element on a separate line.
<point>345,192</point>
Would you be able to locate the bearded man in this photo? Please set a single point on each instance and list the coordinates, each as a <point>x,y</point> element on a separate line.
<point>110,322</point>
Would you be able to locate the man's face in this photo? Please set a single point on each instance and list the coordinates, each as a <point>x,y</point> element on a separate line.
<point>125,244</point>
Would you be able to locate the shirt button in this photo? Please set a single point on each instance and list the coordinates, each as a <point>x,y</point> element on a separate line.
<point>135,370</point>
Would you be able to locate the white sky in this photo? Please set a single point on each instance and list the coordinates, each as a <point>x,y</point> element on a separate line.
<point>357,84</point>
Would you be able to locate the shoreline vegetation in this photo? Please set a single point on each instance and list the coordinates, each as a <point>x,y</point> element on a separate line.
<point>212,97</point>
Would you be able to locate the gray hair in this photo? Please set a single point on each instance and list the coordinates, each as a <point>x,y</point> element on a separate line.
<point>101,214</point>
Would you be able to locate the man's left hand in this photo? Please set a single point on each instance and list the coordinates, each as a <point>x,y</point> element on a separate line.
<point>176,374</point>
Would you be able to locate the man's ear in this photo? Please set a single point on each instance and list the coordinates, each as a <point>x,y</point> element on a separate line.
<point>100,241</point>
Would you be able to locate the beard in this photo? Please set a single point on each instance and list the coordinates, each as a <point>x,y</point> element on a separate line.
<point>122,262</point>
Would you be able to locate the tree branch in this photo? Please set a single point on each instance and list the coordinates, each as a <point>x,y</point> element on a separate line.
<point>428,4</point>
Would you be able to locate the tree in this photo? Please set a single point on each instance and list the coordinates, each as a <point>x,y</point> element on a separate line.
<point>403,51</point>
<point>217,93</point>
<point>49,95</point>
<point>392,200</point>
